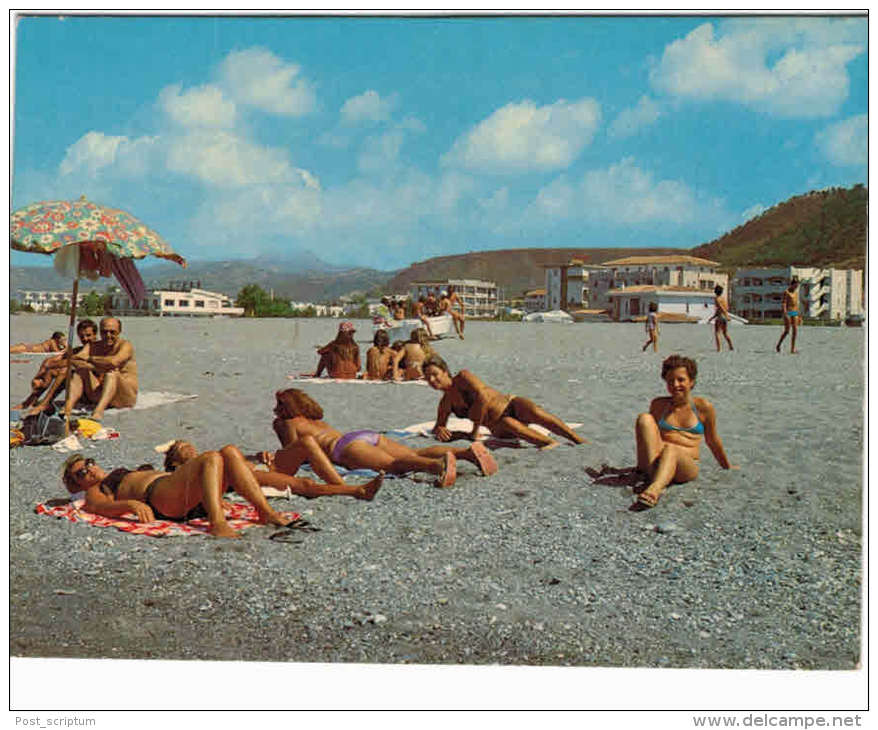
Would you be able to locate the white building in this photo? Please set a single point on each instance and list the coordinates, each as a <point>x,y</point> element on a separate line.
<point>42,301</point>
<point>572,286</point>
<point>479,297</point>
<point>174,303</point>
<point>535,300</point>
<point>681,303</point>
<point>757,293</point>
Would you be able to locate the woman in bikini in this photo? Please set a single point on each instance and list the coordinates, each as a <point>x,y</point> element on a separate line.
<point>720,318</point>
<point>341,357</point>
<point>305,437</point>
<point>503,415</point>
<point>180,451</point>
<point>415,352</point>
<point>382,361</point>
<point>56,343</point>
<point>669,436</point>
<point>152,494</point>
<point>790,315</point>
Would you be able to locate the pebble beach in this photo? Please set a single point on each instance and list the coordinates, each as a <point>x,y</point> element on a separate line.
<point>539,565</point>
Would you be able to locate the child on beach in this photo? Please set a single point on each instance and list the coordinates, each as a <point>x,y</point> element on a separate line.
<point>720,318</point>
<point>466,396</point>
<point>651,328</point>
<point>180,451</point>
<point>669,436</point>
<point>790,315</point>
<point>305,437</point>
<point>152,494</point>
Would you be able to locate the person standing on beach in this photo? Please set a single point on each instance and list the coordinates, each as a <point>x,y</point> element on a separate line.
<point>56,343</point>
<point>466,396</point>
<point>651,328</point>
<point>105,372</point>
<point>791,315</point>
<point>52,375</point>
<point>720,318</point>
<point>669,436</point>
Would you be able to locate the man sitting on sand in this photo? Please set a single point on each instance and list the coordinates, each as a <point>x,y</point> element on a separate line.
<point>56,343</point>
<point>52,375</point>
<point>106,372</point>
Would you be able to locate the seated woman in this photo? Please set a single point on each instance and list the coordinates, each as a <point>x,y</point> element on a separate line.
<point>341,357</point>
<point>152,494</point>
<point>669,436</point>
<point>415,351</point>
<point>180,451</point>
<point>381,360</point>
<point>305,437</point>
<point>56,343</point>
<point>503,415</point>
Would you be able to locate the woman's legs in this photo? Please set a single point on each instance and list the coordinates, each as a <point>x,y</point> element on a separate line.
<point>786,331</point>
<point>237,472</point>
<point>725,329</point>
<point>305,487</point>
<point>526,411</point>
<point>663,462</point>
<point>388,456</point>
<point>476,454</point>
<point>716,326</point>
<point>649,442</point>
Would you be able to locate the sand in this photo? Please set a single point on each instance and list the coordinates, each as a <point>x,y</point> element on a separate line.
<point>538,565</point>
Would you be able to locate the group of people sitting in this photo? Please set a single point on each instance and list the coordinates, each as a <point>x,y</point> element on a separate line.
<point>103,372</point>
<point>384,361</point>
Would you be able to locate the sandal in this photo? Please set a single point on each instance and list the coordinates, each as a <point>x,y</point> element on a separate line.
<point>645,500</point>
<point>487,463</point>
<point>449,472</point>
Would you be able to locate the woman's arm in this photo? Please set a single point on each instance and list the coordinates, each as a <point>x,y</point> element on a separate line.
<point>285,431</point>
<point>711,437</point>
<point>101,504</point>
<point>319,461</point>
<point>440,429</point>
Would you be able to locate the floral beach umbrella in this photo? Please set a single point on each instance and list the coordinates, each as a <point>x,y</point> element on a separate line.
<point>90,240</point>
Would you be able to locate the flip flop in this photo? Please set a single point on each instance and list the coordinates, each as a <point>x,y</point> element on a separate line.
<point>449,472</point>
<point>487,463</point>
<point>646,500</point>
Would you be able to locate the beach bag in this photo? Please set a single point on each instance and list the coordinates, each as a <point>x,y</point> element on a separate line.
<point>42,429</point>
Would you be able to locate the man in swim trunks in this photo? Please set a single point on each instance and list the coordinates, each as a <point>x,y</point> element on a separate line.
<point>106,372</point>
<point>56,343</point>
<point>791,317</point>
<point>52,375</point>
<point>720,318</point>
<point>446,305</point>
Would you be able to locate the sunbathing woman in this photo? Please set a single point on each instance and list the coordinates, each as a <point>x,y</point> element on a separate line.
<point>341,357</point>
<point>152,494</point>
<point>56,343</point>
<point>181,451</point>
<point>305,437</point>
<point>503,415</point>
<point>669,436</point>
<point>382,360</point>
<point>415,351</point>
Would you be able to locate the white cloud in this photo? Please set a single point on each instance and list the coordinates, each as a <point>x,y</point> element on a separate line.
<point>754,210</point>
<point>521,137</point>
<point>380,154</point>
<point>368,107</point>
<point>204,106</point>
<point>845,142</point>
<point>224,159</point>
<point>635,118</point>
<point>788,67</point>
<point>259,78</point>
<point>97,153</point>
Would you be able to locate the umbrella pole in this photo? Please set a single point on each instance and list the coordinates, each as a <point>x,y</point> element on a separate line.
<point>70,329</point>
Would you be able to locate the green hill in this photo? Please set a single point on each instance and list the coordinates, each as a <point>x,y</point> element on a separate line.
<point>820,228</point>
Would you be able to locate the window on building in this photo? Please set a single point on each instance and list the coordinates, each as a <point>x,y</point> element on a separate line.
<point>199,303</point>
<point>183,303</point>
<point>169,302</point>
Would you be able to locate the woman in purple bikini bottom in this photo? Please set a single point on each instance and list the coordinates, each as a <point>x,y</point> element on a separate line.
<point>304,437</point>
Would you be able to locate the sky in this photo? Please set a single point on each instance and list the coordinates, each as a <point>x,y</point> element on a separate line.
<point>384,141</point>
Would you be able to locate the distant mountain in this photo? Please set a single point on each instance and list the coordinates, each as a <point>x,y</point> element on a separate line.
<point>820,228</point>
<point>515,270</point>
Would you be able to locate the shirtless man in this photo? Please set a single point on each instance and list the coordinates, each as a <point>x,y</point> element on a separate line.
<point>791,317</point>
<point>56,343</point>
<point>106,372</point>
<point>421,313</point>
<point>446,304</point>
<point>52,375</point>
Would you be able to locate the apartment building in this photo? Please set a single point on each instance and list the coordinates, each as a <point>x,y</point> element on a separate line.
<point>181,301</point>
<point>479,297</point>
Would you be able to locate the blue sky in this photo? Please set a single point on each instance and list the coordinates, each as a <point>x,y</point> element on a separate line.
<point>383,141</point>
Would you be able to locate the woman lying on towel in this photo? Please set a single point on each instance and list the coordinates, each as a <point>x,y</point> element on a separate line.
<point>505,416</point>
<point>179,452</point>
<point>152,494</point>
<point>305,437</point>
<point>669,436</point>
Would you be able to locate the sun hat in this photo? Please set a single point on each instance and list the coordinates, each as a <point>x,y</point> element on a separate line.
<point>346,327</point>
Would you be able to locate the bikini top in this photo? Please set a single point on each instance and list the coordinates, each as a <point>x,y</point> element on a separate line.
<point>111,482</point>
<point>697,429</point>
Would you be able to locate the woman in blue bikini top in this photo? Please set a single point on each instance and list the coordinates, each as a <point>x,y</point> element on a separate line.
<point>669,436</point>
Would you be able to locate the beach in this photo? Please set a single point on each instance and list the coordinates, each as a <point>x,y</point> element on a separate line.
<point>757,568</point>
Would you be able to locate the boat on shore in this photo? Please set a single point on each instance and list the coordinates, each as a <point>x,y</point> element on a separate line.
<point>401,329</point>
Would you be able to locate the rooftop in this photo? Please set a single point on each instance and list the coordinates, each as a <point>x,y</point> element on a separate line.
<point>650,288</point>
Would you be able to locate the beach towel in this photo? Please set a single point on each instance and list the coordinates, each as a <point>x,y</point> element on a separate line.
<point>239,516</point>
<point>465,424</point>
<point>309,379</point>
<point>145,399</point>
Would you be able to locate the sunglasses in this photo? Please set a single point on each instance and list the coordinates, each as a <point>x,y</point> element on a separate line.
<point>83,470</point>
<point>109,332</point>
